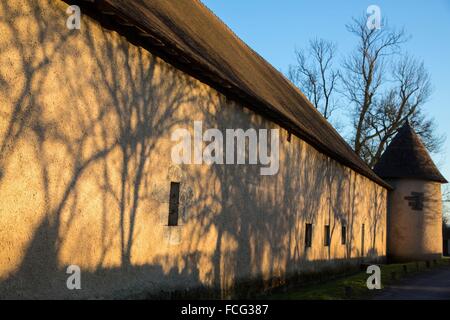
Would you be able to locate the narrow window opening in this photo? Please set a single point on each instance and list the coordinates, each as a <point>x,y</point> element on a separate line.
<point>344,235</point>
<point>327,238</point>
<point>174,201</point>
<point>308,235</point>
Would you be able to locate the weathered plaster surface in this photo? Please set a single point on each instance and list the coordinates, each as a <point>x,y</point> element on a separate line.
<point>85,125</point>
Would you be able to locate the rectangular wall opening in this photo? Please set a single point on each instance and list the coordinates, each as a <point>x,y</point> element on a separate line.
<point>344,235</point>
<point>363,231</point>
<point>327,236</point>
<point>308,235</point>
<point>174,202</point>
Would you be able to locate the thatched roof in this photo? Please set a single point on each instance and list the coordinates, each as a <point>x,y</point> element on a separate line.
<point>407,157</point>
<point>189,36</point>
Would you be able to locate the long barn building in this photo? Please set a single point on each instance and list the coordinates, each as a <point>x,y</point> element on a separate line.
<point>87,177</point>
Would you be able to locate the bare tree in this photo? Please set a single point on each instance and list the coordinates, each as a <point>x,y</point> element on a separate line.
<point>446,216</point>
<point>385,89</point>
<point>409,89</point>
<point>382,86</point>
<point>445,228</point>
<point>316,75</point>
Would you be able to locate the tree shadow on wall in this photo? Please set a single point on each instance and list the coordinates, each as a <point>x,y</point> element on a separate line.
<point>128,120</point>
<point>266,216</point>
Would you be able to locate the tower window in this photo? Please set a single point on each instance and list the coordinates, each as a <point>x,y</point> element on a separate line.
<point>344,235</point>
<point>416,200</point>
<point>174,201</point>
<point>327,238</point>
<point>308,235</point>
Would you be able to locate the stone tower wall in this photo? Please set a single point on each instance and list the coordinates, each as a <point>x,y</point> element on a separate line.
<point>414,220</point>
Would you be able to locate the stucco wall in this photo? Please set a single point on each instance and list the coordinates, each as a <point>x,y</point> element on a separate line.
<point>414,234</point>
<point>85,170</point>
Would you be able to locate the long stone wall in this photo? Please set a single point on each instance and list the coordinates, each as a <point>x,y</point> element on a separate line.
<point>85,173</point>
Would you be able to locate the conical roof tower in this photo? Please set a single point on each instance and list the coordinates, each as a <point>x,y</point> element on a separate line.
<point>414,215</point>
<point>407,157</point>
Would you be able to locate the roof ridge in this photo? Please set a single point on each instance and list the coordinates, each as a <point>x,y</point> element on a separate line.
<point>226,63</point>
<point>294,87</point>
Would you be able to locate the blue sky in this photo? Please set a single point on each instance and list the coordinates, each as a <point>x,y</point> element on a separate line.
<point>275,28</point>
